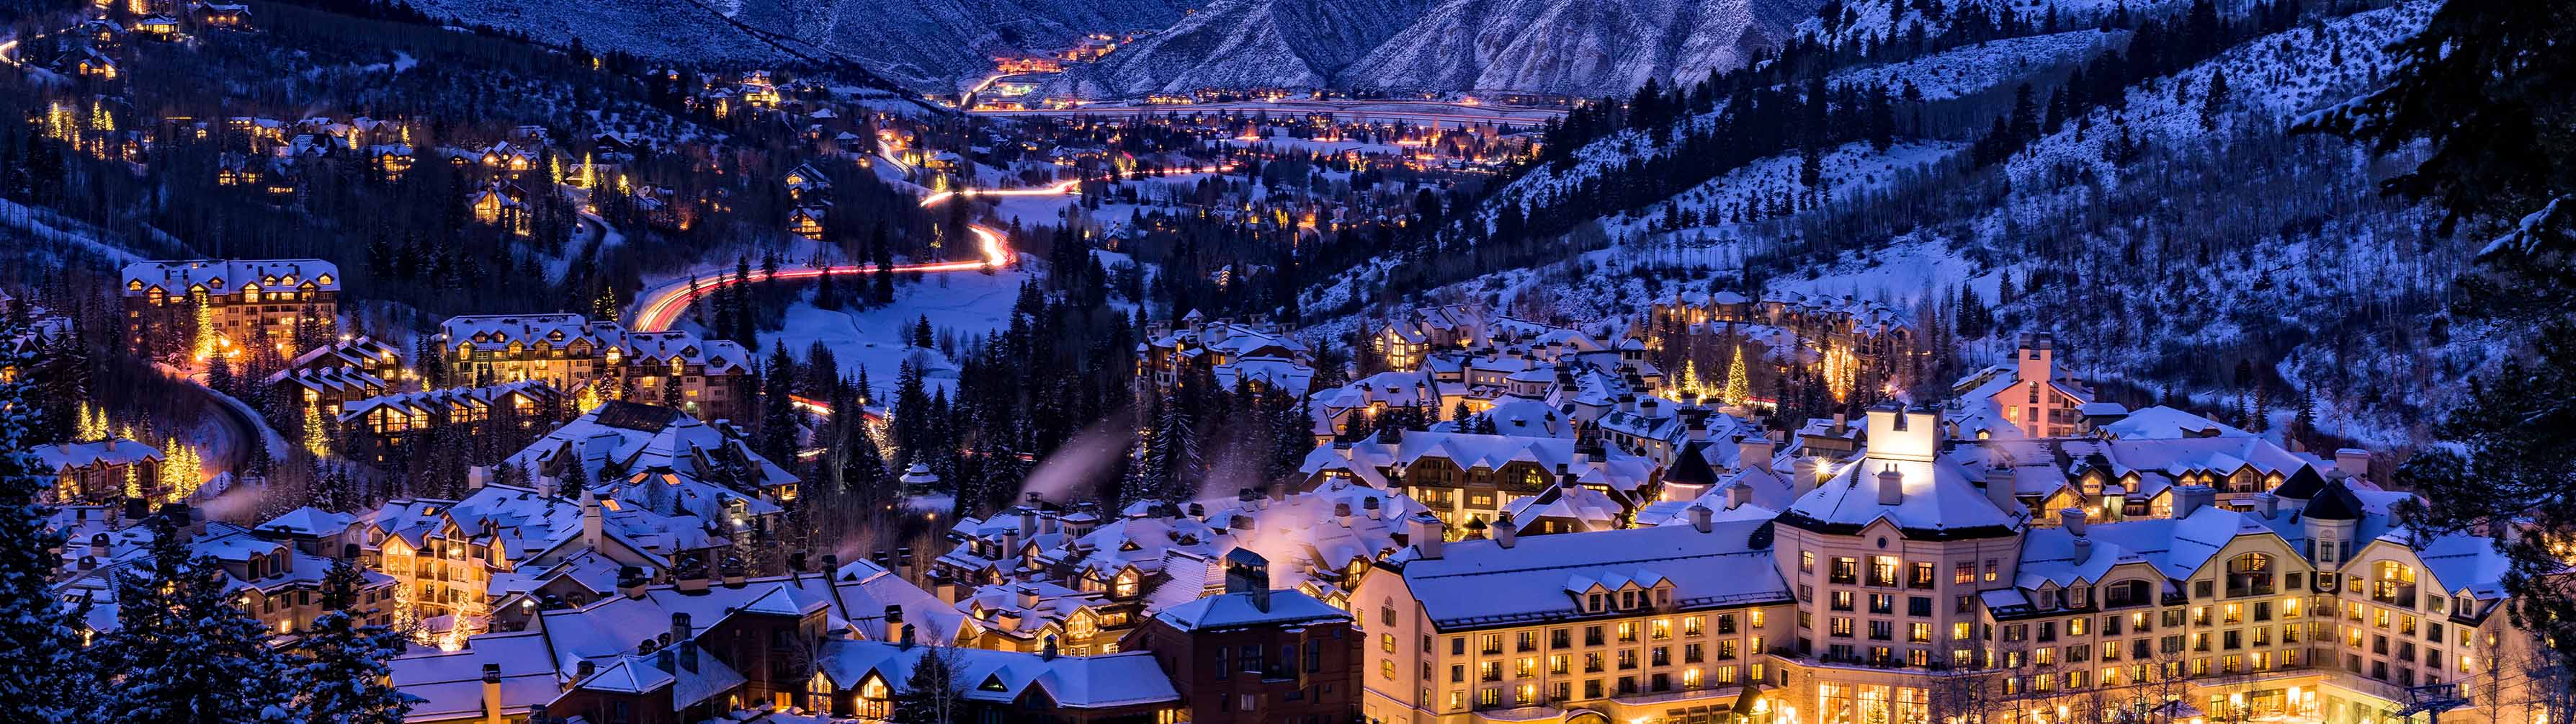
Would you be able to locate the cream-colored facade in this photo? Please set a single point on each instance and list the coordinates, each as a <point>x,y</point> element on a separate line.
<point>1914,594</point>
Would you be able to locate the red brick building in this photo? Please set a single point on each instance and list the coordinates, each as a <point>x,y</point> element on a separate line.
<point>1255,655</point>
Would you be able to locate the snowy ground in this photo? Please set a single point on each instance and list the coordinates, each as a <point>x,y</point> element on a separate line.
<point>1960,71</point>
<point>970,304</point>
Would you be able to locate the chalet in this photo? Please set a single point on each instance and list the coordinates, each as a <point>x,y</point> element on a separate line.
<point>375,428</point>
<point>100,471</point>
<point>805,181</point>
<point>158,27</point>
<point>807,220</point>
<point>221,15</point>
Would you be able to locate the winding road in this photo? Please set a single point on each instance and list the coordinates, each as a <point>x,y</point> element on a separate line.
<point>658,308</point>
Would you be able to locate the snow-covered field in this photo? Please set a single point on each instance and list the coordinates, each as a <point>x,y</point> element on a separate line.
<point>969,304</point>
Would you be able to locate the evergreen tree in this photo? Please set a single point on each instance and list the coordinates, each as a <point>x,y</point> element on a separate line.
<point>934,693</point>
<point>1739,384</point>
<point>187,654</point>
<point>44,674</point>
<point>2216,101</point>
<point>339,665</point>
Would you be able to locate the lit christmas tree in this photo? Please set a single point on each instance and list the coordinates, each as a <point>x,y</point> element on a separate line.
<point>1739,386</point>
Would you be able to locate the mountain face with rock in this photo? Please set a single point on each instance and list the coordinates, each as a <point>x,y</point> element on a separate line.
<point>1573,47</point>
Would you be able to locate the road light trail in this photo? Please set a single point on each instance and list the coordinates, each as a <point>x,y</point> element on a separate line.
<point>661,307</point>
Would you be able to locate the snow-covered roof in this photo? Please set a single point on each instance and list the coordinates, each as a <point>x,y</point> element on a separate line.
<point>1240,610</point>
<point>220,276</point>
<point>111,451</point>
<point>1482,583</point>
<point>1072,682</point>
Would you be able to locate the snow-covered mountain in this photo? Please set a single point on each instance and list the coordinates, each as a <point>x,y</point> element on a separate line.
<point>2179,225</point>
<point>1251,43</point>
<point>1575,47</point>
<point>928,44</point>
<point>1579,47</point>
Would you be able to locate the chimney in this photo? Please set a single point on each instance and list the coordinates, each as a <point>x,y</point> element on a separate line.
<point>1028,595</point>
<point>492,694</point>
<point>583,669</point>
<point>478,476</point>
<point>1422,531</point>
<point>594,523</point>
<point>1999,491</point>
<point>1804,475</point>
<point>1753,450</point>
<point>1248,573</point>
<point>2353,462</point>
<point>831,565</point>
<point>2072,519</point>
<point>1342,511</point>
<point>1738,495</point>
<point>2190,499</point>
<point>2083,550</point>
<point>1699,516</point>
<point>893,622</point>
<point>1891,486</point>
<point>1505,531</point>
<point>662,659</point>
<point>2115,502</point>
<point>796,562</point>
<point>2268,504</point>
<point>631,581</point>
<point>689,655</point>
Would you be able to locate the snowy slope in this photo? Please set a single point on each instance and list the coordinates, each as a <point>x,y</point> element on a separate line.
<point>1251,43</point>
<point>929,44</point>
<point>1961,71</point>
<point>1575,47</point>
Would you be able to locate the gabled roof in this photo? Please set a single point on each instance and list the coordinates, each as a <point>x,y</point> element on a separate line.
<point>1237,610</point>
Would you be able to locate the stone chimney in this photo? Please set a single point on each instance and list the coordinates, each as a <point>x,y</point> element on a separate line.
<point>1738,495</point>
<point>1505,531</point>
<point>631,581</point>
<point>2353,462</point>
<point>893,623</point>
<point>492,694</point>
<point>1754,450</point>
<point>1028,596</point>
<point>2190,499</point>
<point>1999,491</point>
<point>594,522</point>
<point>1248,573</point>
<point>1699,516</point>
<point>1891,486</point>
<point>1422,531</point>
<point>2072,519</point>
